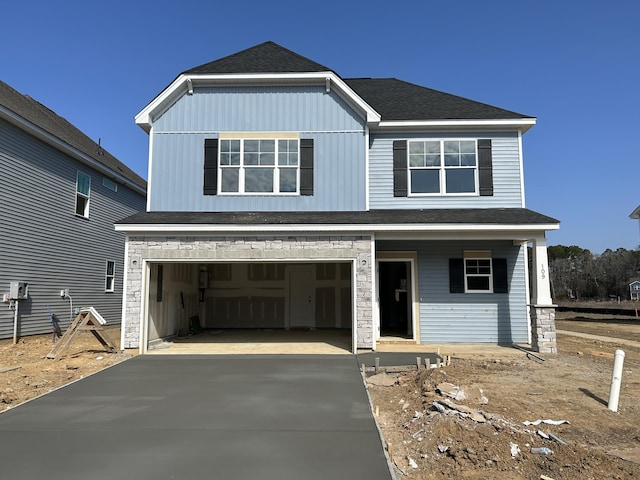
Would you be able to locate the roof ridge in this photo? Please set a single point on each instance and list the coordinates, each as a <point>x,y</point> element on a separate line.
<point>44,118</point>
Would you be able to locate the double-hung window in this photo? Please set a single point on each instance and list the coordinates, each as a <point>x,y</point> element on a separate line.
<point>110,277</point>
<point>83,190</point>
<point>477,274</point>
<point>443,167</point>
<point>259,166</point>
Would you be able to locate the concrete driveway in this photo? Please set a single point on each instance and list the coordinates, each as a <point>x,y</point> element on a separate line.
<point>196,417</point>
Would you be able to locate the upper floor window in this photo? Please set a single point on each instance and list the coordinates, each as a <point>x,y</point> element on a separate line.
<point>263,166</point>
<point>83,190</point>
<point>443,167</point>
<point>109,184</point>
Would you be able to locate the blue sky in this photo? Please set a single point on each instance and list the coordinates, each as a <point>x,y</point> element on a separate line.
<point>573,65</point>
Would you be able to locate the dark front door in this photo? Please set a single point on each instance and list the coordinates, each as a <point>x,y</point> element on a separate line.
<point>395,299</point>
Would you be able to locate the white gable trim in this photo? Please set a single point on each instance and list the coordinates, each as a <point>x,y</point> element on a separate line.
<point>186,82</point>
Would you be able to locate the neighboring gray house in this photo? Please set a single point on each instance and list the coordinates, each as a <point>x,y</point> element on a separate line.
<point>284,196</point>
<point>634,290</point>
<point>60,194</point>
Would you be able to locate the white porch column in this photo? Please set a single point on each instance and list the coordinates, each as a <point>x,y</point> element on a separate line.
<point>541,285</point>
<point>542,309</point>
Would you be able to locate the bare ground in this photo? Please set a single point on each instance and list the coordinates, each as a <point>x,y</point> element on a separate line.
<point>572,385</point>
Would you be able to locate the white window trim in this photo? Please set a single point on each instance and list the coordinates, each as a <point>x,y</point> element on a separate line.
<point>478,255</point>
<point>78,194</point>
<point>241,177</point>
<point>107,277</point>
<point>442,168</point>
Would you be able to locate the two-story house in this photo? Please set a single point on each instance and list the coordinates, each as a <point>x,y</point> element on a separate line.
<point>60,194</point>
<point>284,196</point>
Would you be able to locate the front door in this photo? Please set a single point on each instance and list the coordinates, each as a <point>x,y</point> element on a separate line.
<point>302,295</point>
<point>395,299</point>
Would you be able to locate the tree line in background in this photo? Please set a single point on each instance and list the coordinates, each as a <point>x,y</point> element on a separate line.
<point>578,274</point>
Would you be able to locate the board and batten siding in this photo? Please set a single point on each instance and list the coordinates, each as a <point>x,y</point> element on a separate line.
<point>338,132</point>
<point>507,185</point>
<point>46,245</point>
<point>467,317</point>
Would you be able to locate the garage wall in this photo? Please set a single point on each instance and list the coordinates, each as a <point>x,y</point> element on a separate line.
<point>173,298</point>
<point>256,295</point>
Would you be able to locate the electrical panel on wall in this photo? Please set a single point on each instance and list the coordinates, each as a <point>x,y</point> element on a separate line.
<point>18,290</point>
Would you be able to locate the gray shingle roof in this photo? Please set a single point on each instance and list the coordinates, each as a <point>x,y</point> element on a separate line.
<point>396,99</point>
<point>471,216</point>
<point>268,57</point>
<point>40,116</point>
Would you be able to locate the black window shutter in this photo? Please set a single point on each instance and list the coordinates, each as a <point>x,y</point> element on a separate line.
<point>211,166</point>
<point>500,276</point>
<point>456,275</point>
<point>485,168</point>
<point>400,168</point>
<point>306,166</point>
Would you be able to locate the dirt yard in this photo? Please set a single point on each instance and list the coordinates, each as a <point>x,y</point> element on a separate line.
<point>26,373</point>
<point>508,390</point>
<point>501,393</point>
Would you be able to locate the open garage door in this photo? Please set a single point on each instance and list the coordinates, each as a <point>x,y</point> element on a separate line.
<point>240,303</point>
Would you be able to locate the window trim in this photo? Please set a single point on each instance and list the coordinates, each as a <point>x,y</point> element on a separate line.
<point>478,256</point>
<point>242,138</point>
<point>79,194</point>
<point>111,277</point>
<point>442,169</point>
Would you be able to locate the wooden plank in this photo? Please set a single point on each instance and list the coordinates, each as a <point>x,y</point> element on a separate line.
<point>602,354</point>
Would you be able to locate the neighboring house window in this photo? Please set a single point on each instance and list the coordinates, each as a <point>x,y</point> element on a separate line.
<point>442,167</point>
<point>83,189</point>
<point>109,184</point>
<point>258,166</point>
<point>110,277</point>
<point>478,272</point>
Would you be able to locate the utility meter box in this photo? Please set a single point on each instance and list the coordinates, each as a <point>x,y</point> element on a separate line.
<point>18,290</point>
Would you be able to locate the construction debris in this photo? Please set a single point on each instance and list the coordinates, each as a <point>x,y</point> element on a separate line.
<point>453,391</point>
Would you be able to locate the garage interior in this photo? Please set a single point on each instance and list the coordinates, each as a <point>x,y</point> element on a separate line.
<point>265,307</point>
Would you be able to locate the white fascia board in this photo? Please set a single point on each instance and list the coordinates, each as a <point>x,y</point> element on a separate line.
<point>179,87</point>
<point>351,228</point>
<point>67,149</point>
<point>636,213</point>
<point>522,125</point>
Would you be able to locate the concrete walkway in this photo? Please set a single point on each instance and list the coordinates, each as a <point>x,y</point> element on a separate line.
<point>194,417</point>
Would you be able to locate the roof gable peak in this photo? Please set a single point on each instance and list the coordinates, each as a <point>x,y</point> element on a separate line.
<point>267,57</point>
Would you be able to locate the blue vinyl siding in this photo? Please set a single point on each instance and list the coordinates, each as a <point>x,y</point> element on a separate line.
<point>506,174</point>
<point>45,244</point>
<point>178,147</point>
<point>467,317</point>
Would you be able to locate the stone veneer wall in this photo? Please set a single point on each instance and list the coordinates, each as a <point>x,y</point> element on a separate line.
<point>255,248</point>
<point>543,329</point>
